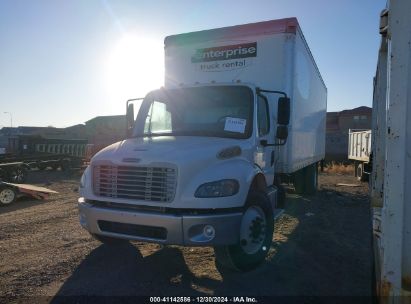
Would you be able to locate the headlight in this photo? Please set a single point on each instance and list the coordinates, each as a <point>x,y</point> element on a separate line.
<point>221,188</point>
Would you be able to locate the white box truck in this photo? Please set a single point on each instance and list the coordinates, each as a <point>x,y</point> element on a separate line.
<point>390,186</point>
<point>242,107</point>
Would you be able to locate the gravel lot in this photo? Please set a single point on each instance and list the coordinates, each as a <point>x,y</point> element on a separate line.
<point>321,247</point>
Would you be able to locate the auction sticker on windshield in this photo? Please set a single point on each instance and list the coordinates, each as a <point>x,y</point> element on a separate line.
<point>233,124</point>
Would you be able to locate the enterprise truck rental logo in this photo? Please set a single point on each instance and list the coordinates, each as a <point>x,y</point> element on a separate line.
<point>225,52</point>
<point>234,57</point>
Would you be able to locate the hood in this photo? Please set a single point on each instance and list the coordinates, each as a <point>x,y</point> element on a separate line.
<point>168,149</point>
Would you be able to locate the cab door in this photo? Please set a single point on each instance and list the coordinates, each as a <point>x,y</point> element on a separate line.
<point>264,156</point>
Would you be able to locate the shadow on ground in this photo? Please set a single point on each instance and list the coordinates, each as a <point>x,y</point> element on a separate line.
<point>124,271</point>
<point>324,250</point>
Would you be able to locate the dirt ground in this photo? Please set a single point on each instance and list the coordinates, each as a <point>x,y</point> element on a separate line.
<point>321,247</point>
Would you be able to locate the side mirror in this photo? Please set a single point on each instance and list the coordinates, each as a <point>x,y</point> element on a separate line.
<point>282,132</point>
<point>283,112</point>
<point>130,119</point>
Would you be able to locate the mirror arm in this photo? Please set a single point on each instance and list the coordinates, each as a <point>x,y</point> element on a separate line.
<point>134,99</point>
<point>129,125</point>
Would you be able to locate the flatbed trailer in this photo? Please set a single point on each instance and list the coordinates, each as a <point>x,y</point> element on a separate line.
<point>42,161</point>
<point>9,192</point>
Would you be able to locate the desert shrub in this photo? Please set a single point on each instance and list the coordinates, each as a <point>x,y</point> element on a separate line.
<point>339,168</point>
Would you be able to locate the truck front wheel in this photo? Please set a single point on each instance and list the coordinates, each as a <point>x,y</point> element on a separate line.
<point>256,233</point>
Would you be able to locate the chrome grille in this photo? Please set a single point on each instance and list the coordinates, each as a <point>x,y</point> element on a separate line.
<point>156,184</point>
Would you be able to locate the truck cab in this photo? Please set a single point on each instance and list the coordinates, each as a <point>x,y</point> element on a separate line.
<point>197,170</point>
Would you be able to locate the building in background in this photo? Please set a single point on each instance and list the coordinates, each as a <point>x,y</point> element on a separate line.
<point>338,124</point>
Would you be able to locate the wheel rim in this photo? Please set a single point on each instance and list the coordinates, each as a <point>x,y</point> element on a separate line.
<point>359,172</point>
<point>252,234</point>
<point>7,196</point>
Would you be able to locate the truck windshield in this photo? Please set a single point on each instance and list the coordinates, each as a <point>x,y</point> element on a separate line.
<point>218,111</point>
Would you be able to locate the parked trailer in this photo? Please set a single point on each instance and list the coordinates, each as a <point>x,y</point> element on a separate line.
<point>359,150</point>
<point>391,146</point>
<point>9,192</point>
<point>39,152</point>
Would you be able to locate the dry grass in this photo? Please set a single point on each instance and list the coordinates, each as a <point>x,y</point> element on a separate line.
<point>339,168</point>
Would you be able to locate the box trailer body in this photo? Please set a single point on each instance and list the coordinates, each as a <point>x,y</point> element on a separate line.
<point>275,56</point>
<point>359,150</point>
<point>390,187</point>
<point>359,145</point>
<point>241,107</point>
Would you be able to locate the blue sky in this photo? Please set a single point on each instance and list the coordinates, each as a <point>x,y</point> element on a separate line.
<point>64,62</point>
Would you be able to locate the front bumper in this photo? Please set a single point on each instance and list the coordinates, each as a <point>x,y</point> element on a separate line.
<point>188,230</point>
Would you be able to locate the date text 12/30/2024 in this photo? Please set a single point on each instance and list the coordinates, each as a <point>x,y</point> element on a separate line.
<point>203,300</point>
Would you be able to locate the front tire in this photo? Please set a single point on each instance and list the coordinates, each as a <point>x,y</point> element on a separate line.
<point>255,237</point>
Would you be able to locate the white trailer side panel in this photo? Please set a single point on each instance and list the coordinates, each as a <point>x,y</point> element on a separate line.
<point>306,141</point>
<point>392,227</point>
<point>282,62</point>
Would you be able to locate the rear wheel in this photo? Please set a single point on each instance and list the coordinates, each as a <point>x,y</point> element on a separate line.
<point>41,166</point>
<point>65,165</point>
<point>7,196</point>
<point>299,181</point>
<point>18,175</point>
<point>255,239</point>
<point>361,176</point>
<point>311,179</point>
<point>281,193</point>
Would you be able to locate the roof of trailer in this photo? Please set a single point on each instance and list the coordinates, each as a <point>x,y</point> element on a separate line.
<point>286,25</point>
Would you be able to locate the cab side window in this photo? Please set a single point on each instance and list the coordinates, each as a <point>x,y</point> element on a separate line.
<point>263,116</point>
